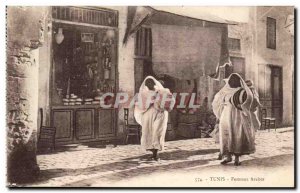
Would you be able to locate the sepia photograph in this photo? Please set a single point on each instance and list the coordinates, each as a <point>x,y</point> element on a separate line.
<point>150,96</point>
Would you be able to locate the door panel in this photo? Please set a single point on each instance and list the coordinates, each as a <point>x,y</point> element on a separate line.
<point>63,122</point>
<point>268,80</point>
<point>276,92</point>
<point>270,90</point>
<point>84,124</point>
<point>106,122</point>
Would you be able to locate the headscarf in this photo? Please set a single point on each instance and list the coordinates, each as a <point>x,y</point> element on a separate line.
<point>245,106</point>
<point>144,92</point>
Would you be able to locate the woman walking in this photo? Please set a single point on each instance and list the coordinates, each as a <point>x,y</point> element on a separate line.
<point>151,113</point>
<point>232,105</point>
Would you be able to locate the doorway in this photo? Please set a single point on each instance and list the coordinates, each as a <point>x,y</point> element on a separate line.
<point>270,90</point>
<point>276,92</point>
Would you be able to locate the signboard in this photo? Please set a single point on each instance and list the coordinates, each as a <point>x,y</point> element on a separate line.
<point>87,37</point>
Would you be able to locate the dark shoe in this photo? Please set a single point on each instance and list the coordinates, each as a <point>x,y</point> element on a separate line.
<point>219,157</point>
<point>237,163</point>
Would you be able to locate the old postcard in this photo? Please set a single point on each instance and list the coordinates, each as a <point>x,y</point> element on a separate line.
<point>150,96</point>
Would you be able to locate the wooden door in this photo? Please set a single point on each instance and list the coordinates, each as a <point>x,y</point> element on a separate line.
<point>106,122</point>
<point>84,124</point>
<point>62,120</point>
<point>276,92</point>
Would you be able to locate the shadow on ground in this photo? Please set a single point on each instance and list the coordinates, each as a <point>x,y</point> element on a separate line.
<point>176,155</point>
<point>74,147</point>
<point>133,167</point>
<point>132,163</point>
<point>187,166</point>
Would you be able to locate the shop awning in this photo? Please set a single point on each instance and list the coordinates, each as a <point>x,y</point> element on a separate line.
<point>191,12</point>
<point>183,47</point>
<point>185,52</point>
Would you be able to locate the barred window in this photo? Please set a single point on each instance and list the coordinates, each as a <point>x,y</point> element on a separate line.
<point>234,44</point>
<point>271,33</point>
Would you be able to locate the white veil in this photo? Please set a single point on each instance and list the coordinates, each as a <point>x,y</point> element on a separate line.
<point>139,111</point>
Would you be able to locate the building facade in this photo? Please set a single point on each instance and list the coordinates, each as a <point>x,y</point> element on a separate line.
<point>263,50</point>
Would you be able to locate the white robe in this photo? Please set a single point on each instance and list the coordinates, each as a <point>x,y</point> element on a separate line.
<point>236,127</point>
<point>154,127</point>
<point>153,119</point>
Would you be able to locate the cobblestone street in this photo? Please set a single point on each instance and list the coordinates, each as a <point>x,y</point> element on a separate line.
<point>185,160</point>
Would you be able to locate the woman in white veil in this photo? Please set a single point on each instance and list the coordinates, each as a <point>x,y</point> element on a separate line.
<point>151,115</point>
<point>232,106</point>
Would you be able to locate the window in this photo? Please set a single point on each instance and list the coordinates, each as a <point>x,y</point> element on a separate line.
<point>238,65</point>
<point>84,67</point>
<point>234,44</point>
<point>271,33</point>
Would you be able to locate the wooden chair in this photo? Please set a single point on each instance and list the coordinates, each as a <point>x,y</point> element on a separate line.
<point>267,122</point>
<point>46,138</point>
<point>132,130</point>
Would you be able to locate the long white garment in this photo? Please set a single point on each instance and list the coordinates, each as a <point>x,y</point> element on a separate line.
<point>153,119</point>
<point>254,109</point>
<point>237,131</point>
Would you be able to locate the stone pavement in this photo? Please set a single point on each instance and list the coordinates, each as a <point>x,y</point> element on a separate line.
<point>123,165</point>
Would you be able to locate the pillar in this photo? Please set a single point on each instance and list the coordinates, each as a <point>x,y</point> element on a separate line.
<point>25,29</point>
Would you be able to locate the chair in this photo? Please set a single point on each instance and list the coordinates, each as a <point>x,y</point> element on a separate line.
<point>267,122</point>
<point>263,115</point>
<point>47,138</point>
<point>47,135</point>
<point>132,130</point>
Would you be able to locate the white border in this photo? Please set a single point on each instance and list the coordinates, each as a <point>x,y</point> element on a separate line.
<point>3,3</point>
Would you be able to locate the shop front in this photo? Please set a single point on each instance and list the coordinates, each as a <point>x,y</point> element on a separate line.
<point>84,67</point>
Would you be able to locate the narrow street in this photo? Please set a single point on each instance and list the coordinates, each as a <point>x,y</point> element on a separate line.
<point>183,163</point>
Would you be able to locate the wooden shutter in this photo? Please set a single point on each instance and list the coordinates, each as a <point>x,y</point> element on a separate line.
<point>143,53</point>
<point>143,42</point>
<point>271,33</point>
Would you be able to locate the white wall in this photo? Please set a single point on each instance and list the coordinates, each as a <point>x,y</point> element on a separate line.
<point>282,56</point>
<point>253,48</point>
<point>125,62</point>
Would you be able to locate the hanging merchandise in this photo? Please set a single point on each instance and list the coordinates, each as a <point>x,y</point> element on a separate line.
<point>59,37</point>
<point>106,74</point>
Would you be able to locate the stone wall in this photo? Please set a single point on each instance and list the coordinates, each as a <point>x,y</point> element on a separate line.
<point>22,89</point>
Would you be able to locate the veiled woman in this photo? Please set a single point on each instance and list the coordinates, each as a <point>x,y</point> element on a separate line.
<point>232,105</point>
<point>152,114</point>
